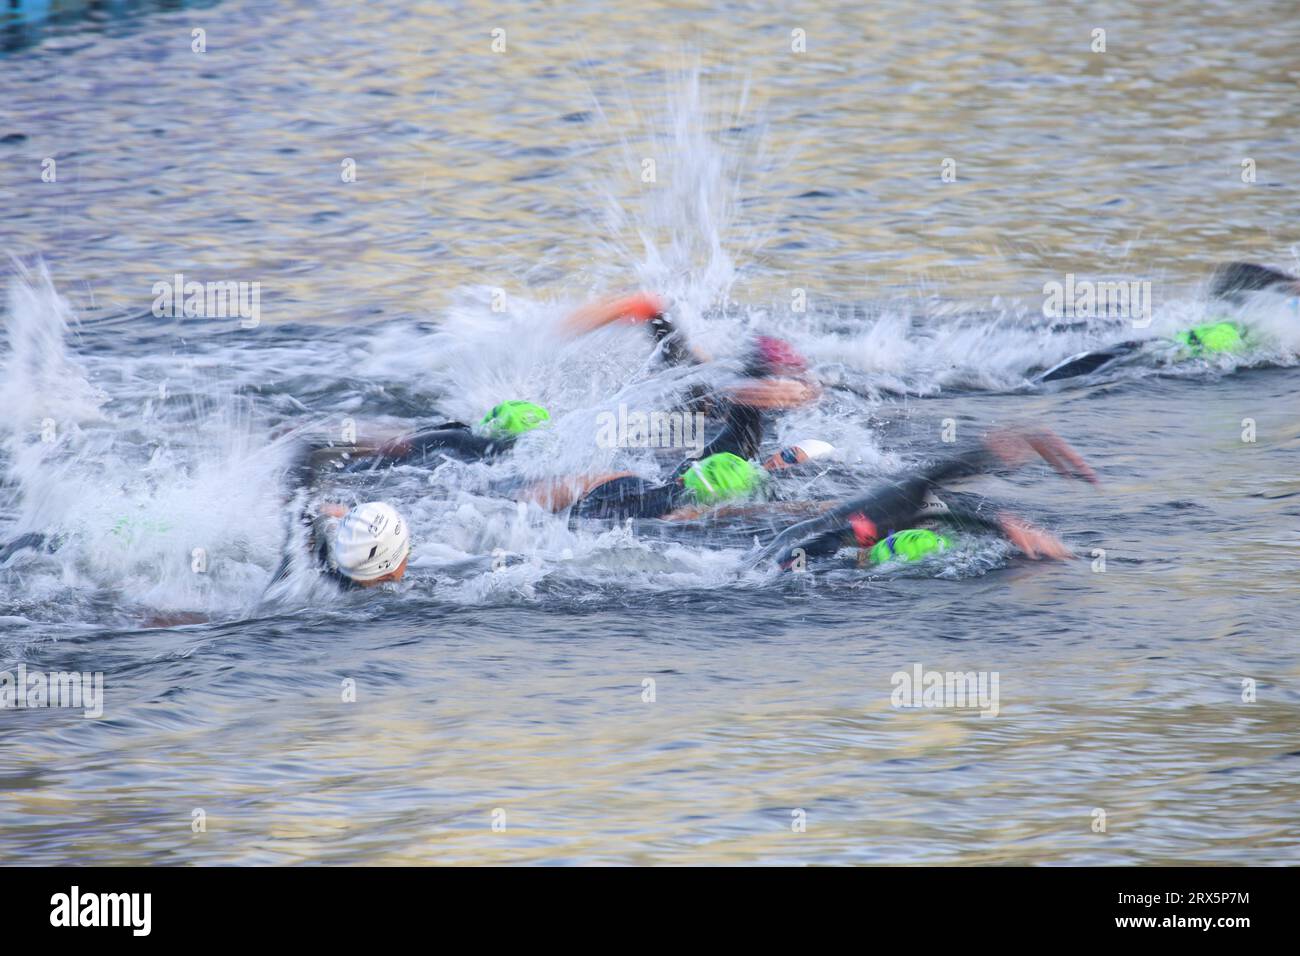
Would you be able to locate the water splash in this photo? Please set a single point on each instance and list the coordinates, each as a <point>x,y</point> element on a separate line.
<point>157,507</point>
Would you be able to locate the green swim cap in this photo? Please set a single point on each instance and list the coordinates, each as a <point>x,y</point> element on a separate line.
<point>721,477</point>
<point>514,418</point>
<point>909,545</point>
<point>126,528</point>
<point>1212,339</point>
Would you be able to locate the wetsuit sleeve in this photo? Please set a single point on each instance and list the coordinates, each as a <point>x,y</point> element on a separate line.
<point>34,540</point>
<point>303,469</point>
<point>293,540</point>
<point>969,513</point>
<point>671,341</point>
<point>319,528</point>
<point>891,506</point>
<point>1233,279</point>
<point>310,459</point>
<point>741,435</point>
<point>456,442</point>
<point>630,497</point>
<point>860,522</point>
<point>322,528</point>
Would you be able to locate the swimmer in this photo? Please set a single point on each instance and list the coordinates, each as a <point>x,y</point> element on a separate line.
<point>496,434</point>
<point>765,356</point>
<point>723,471</point>
<point>898,519</point>
<point>359,547</point>
<point>1231,284</point>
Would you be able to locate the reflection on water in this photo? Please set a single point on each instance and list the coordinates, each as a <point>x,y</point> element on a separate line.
<point>474,166</point>
<point>1121,691</point>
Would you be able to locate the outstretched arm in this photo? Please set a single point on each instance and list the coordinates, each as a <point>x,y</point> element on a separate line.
<point>1232,279</point>
<point>556,494</point>
<point>741,435</point>
<point>894,505</point>
<point>1033,541</point>
<point>969,512</point>
<point>640,309</point>
<point>312,459</point>
<point>452,440</point>
<point>743,422</point>
<point>1010,448</point>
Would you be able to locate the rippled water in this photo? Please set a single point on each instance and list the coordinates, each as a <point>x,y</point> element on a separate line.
<point>523,690</point>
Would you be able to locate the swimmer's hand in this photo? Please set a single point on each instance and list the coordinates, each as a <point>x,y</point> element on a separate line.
<point>1014,447</point>
<point>1034,542</point>
<point>775,393</point>
<point>638,308</point>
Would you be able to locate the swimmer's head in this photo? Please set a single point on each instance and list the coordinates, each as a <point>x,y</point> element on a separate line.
<point>773,356</point>
<point>514,418</point>
<point>911,545</point>
<point>721,477</point>
<point>371,544</point>
<point>806,450</point>
<point>1216,338</point>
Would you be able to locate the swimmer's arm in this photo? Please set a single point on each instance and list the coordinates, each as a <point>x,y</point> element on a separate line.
<point>742,408</point>
<point>672,343</point>
<point>453,439</point>
<point>1034,542</point>
<point>890,506</point>
<point>643,308</point>
<point>1232,279</point>
<point>1011,448</point>
<point>774,393</point>
<point>557,494</point>
<point>824,545</point>
<point>742,433</point>
<point>314,457</point>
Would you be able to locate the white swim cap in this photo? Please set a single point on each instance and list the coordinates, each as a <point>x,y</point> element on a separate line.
<point>814,448</point>
<point>372,540</point>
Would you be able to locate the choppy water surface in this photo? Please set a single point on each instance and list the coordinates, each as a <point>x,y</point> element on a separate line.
<point>523,689</point>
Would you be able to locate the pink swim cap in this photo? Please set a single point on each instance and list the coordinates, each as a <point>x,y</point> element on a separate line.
<point>777,355</point>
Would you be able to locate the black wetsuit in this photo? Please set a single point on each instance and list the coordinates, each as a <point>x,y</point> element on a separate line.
<point>672,344</point>
<point>319,530</point>
<point>34,541</point>
<point>891,507</point>
<point>453,440</point>
<point>741,435</point>
<point>303,473</point>
<point>675,352</point>
<point>1232,283</point>
<point>1233,280</point>
<point>633,497</point>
